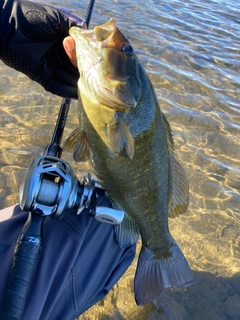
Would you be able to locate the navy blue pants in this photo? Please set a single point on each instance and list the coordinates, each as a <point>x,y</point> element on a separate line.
<point>79,263</point>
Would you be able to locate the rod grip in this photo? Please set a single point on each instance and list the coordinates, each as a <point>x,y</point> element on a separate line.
<point>25,257</point>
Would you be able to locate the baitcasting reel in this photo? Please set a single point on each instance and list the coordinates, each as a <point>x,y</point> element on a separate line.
<point>52,188</point>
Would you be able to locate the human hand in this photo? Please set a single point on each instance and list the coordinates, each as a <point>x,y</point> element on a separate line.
<point>32,42</point>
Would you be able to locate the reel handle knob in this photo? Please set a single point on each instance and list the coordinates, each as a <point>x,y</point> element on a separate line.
<point>107,215</point>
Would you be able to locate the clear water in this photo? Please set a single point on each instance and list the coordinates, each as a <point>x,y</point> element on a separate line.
<point>191,50</point>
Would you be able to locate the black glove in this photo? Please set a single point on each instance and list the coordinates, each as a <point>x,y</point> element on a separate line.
<point>31,38</point>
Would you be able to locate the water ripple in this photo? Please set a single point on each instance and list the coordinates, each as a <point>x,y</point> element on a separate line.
<point>191,51</point>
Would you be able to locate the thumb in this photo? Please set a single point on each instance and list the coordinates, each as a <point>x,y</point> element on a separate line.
<point>70,48</point>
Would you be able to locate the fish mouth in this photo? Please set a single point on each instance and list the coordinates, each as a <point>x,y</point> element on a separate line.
<point>102,36</point>
<point>98,36</point>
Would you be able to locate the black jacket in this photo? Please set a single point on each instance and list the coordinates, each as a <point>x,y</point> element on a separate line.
<point>80,262</point>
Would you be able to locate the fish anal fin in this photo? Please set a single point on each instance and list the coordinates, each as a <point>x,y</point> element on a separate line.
<point>179,195</point>
<point>127,232</point>
<point>120,137</point>
<point>153,274</point>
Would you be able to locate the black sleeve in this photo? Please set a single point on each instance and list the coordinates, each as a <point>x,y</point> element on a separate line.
<point>31,38</point>
<point>5,25</point>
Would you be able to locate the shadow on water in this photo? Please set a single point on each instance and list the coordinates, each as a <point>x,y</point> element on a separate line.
<point>212,297</point>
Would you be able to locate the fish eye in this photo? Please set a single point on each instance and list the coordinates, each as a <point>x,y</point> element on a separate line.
<point>127,49</point>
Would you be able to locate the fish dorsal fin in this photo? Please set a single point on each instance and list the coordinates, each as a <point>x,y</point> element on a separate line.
<point>78,144</point>
<point>166,125</point>
<point>120,137</point>
<point>179,189</point>
<point>179,195</point>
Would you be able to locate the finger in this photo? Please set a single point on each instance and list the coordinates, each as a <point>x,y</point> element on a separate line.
<point>70,48</point>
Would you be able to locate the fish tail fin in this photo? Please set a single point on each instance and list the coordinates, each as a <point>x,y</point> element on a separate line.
<point>155,273</point>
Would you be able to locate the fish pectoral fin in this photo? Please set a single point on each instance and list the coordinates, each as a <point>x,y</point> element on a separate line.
<point>82,151</point>
<point>127,233</point>
<point>120,137</point>
<point>158,270</point>
<point>78,144</point>
<point>179,196</point>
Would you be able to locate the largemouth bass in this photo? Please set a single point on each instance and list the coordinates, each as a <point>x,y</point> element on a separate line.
<point>130,143</point>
